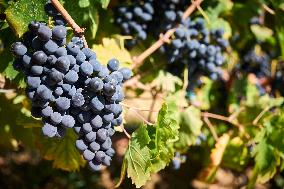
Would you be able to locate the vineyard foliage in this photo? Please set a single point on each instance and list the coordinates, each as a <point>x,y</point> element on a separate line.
<point>233,109</point>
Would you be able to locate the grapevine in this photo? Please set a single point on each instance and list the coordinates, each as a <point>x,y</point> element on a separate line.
<point>146,94</point>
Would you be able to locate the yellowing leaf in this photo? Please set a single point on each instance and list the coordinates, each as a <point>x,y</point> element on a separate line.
<point>109,49</point>
<point>261,33</point>
<point>62,152</point>
<point>167,82</point>
<point>22,12</point>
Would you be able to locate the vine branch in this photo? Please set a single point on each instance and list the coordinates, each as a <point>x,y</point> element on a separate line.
<point>76,28</point>
<point>138,60</point>
<point>211,128</point>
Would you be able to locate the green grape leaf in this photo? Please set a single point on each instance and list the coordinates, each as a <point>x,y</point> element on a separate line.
<point>265,158</point>
<point>110,48</point>
<point>85,14</point>
<point>104,3</point>
<point>267,101</point>
<point>236,155</point>
<point>84,3</point>
<point>20,13</point>
<point>62,152</point>
<point>252,95</point>
<point>219,7</point>
<point>190,128</point>
<point>167,82</point>
<point>10,72</point>
<point>261,33</point>
<point>11,111</point>
<point>208,95</point>
<point>204,94</point>
<point>138,157</point>
<point>151,148</point>
<point>94,20</point>
<point>164,137</point>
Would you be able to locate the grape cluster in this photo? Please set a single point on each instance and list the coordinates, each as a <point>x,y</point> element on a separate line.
<point>134,19</point>
<point>140,18</point>
<point>198,48</point>
<point>167,14</point>
<point>255,62</point>
<point>69,88</point>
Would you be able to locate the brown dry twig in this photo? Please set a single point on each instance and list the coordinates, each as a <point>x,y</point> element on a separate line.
<point>76,28</point>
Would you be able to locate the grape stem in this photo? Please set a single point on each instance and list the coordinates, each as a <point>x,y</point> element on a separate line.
<point>136,112</point>
<point>226,119</point>
<point>255,121</point>
<point>125,132</point>
<point>7,90</point>
<point>211,128</point>
<point>78,31</point>
<point>138,60</point>
<point>136,108</point>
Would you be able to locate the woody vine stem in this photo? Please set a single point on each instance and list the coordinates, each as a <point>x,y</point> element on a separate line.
<point>78,31</point>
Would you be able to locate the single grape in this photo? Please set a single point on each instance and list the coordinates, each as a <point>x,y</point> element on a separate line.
<point>63,64</point>
<point>51,60</point>
<point>86,68</point>
<point>50,47</point>
<point>71,77</point>
<point>106,161</point>
<point>99,157</point>
<point>91,136</point>
<point>78,100</point>
<point>59,32</point>
<point>87,127</point>
<point>88,155</point>
<point>113,65</point>
<point>55,76</point>
<point>81,145</point>
<point>102,135</point>
<point>96,84</point>
<point>19,49</point>
<point>108,117</point>
<point>43,92</point>
<point>89,53</point>
<point>47,111</point>
<point>106,145</point>
<point>62,103</point>
<point>61,51</point>
<point>55,118</point>
<point>94,146</point>
<point>126,73</point>
<point>97,122</point>
<point>39,57</point>
<point>97,67</point>
<point>36,70</point>
<point>44,33</point>
<point>80,57</point>
<point>49,130</point>
<point>33,82</point>
<point>96,104</point>
<point>94,166</point>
